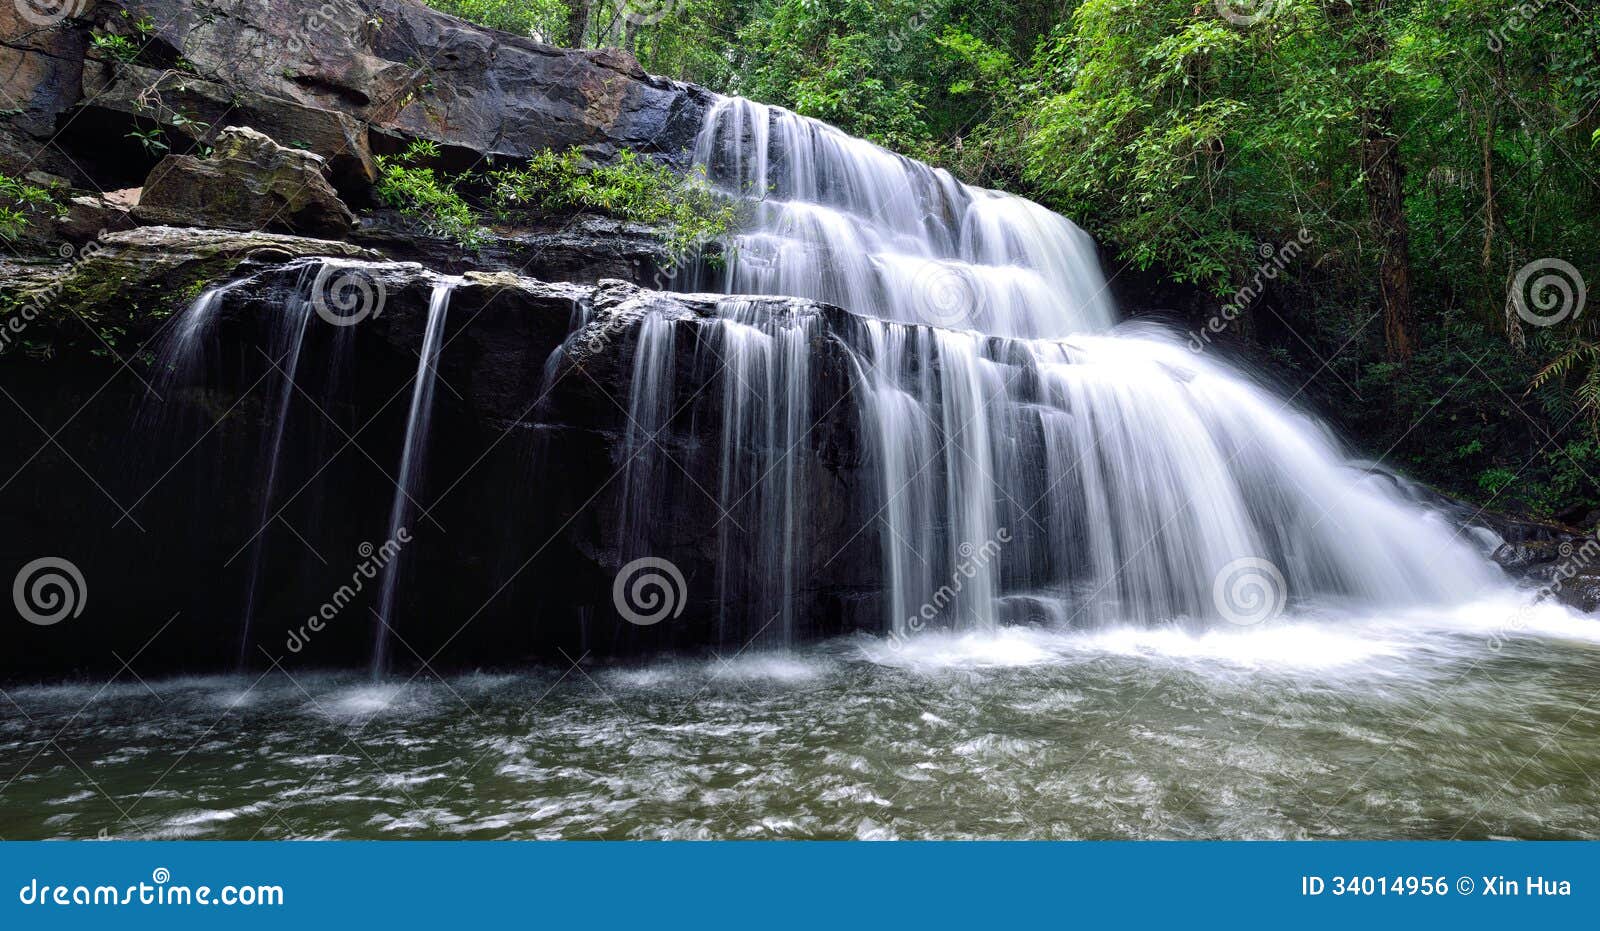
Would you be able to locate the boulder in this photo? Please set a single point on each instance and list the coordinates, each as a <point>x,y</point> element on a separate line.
<point>88,217</point>
<point>1581,592</point>
<point>249,182</point>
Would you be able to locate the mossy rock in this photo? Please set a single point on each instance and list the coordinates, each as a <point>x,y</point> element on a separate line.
<point>123,286</point>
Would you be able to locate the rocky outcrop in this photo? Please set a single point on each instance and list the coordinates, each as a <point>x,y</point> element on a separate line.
<point>248,182</point>
<point>584,249</point>
<point>41,68</point>
<point>341,79</point>
<point>1563,562</point>
<point>138,277</point>
<point>121,98</point>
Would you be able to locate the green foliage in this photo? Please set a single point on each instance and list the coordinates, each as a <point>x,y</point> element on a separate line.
<point>22,202</point>
<point>630,188</point>
<point>421,196</point>
<point>1494,481</point>
<point>1459,418</point>
<point>153,140</point>
<point>542,19</point>
<point>121,48</point>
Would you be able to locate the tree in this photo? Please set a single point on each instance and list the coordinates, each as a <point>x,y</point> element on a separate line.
<point>1385,176</point>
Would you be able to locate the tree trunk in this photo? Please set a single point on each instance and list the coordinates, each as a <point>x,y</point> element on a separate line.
<point>1380,157</point>
<point>1380,161</point>
<point>578,23</point>
<point>1489,217</point>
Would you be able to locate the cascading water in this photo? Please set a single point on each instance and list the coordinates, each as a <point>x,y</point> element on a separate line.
<point>1026,458</point>
<point>283,350</point>
<point>762,357</point>
<point>181,359</point>
<point>412,461</point>
<point>764,416</point>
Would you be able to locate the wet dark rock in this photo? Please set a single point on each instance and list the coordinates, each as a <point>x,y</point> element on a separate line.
<point>139,277</point>
<point>1581,592</point>
<point>527,476</point>
<point>1526,555</point>
<point>582,249</point>
<point>1564,562</point>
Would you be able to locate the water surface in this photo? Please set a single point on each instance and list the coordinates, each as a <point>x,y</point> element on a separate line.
<point>1476,723</point>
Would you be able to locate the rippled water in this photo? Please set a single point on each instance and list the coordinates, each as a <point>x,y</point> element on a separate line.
<point>1423,725</point>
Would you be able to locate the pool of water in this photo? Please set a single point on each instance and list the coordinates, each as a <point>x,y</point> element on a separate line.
<point>1480,722</point>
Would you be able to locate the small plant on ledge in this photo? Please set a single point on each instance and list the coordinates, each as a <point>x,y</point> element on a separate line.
<point>631,188</point>
<point>20,203</point>
<point>408,185</point>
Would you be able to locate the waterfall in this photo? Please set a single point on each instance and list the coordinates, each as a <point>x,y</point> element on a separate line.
<point>1005,447</point>
<point>412,460</point>
<point>1026,454</point>
<point>181,359</point>
<point>840,220</point>
<point>283,349</point>
<point>765,413</point>
<point>761,356</point>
